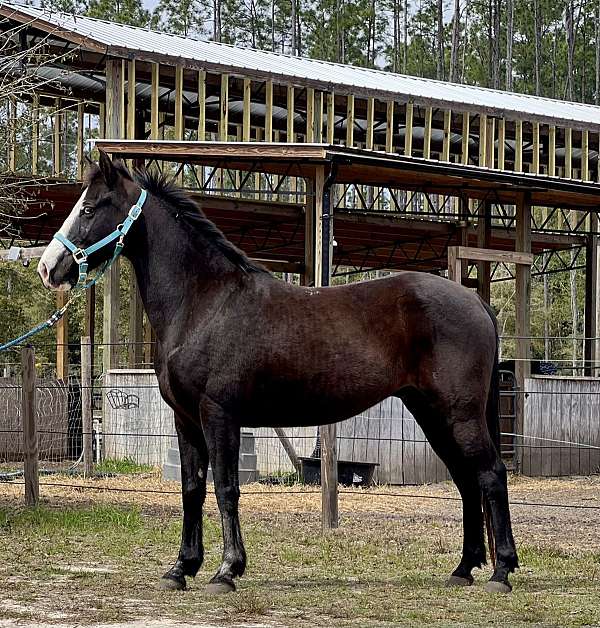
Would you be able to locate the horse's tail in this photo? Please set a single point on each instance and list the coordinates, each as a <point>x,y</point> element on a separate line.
<point>493,425</point>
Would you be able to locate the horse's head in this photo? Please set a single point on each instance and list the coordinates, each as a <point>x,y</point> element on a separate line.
<point>108,195</point>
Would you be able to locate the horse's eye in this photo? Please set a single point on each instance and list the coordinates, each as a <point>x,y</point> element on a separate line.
<point>88,210</point>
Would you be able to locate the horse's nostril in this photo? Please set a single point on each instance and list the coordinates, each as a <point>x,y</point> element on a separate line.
<point>43,271</point>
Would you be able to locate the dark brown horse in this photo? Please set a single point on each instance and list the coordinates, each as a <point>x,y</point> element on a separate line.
<point>236,347</point>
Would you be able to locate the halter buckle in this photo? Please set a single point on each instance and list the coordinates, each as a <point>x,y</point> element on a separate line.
<point>80,256</point>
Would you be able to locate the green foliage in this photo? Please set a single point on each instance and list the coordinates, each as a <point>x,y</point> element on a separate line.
<point>124,466</point>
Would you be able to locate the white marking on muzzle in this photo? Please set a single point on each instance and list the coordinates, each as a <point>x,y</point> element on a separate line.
<point>56,250</point>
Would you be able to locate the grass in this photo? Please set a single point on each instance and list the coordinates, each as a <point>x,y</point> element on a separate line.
<point>121,466</point>
<point>101,563</point>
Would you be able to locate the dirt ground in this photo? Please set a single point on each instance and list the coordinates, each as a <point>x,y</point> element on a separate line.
<point>92,556</point>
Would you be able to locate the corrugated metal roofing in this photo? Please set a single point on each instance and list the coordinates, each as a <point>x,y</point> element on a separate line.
<point>124,40</point>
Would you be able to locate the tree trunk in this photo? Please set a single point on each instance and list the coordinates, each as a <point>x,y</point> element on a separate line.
<point>440,41</point>
<point>570,35</point>
<point>495,42</point>
<point>537,28</point>
<point>216,20</point>
<point>597,37</point>
<point>453,77</point>
<point>294,26</point>
<point>510,32</point>
<point>405,55</point>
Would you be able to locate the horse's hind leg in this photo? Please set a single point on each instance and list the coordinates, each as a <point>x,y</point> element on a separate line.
<point>194,465</point>
<point>223,441</point>
<point>438,434</point>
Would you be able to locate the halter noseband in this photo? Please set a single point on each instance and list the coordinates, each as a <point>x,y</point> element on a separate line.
<point>81,255</point>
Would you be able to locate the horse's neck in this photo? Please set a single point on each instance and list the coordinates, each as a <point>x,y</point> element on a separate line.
<point>174,273</point>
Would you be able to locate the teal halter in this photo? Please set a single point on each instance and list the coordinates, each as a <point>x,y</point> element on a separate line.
<point>81,255</point>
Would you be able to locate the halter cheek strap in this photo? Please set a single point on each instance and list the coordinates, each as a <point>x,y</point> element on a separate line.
<point>81,255</point>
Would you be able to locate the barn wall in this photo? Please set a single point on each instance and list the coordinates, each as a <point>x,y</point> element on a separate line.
<point>562,409</point>
<point>137,422</point>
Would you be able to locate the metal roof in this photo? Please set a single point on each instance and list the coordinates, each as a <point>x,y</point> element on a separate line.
<point>129,41</point>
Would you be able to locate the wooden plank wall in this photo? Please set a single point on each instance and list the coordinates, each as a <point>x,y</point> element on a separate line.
<point>565,409</point>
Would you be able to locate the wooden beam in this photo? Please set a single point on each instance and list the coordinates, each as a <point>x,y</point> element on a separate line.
<point>319,118</point>
<point>482,139</point>
<point>552,151</point>
<point>408,129</point>
<point>350,121</point>
<point>29,421</point>
<point>465,138</point>
<point>123,117</point>
<point>447,132</point>
<point>518,145</point>
<point>585,155</point>
<point>290,114</point>
<point>136,324</point>
<point>131,100</point>
<point>501,143</point>
<point>592,312</point>
<point>491,255</point>
<point>224,108</point>
<point>427,133</point>
<point>389,127</point>
<point>484,231</point>
<point>246,110</point>
<point>201,105</point>
<point>330,117</point>
<point>62,339</point>
<point>269,111</point>
<point>179,118</point>
<point>370,123</point>
<point>310,115</point>
<point>568,153</point>
<point>535,165</point>
<point>86,405</point>
<point>522,314</point>
<point>154,100</point>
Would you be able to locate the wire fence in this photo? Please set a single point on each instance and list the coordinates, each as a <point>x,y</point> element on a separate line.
<point>132,433</point>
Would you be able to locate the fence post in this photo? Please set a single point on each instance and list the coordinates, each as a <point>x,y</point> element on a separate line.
<point>86,405</point>
<point>329,477</point>
<point>30,438</point>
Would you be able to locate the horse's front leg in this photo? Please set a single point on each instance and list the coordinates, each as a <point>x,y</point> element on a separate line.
<point>194,465</point>
<point>222,434</point>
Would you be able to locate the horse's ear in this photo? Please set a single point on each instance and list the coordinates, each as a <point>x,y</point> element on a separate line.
<point>108,170</point>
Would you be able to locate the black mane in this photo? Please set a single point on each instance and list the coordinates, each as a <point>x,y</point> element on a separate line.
<point>188,210</point>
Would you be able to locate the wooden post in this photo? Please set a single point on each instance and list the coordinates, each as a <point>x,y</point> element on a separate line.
<point>370,123</point>
<point>136,324</point>
<point>484,224</point>
<point>568,153</point>
<point>522,313</point>
<point>224,108</point>
<point>323,235</point>
<point>501,142</point>
<point>518,146</point>
<point>246,110</point>
<point>427,133</point>
<point>30,438</point>
<point>154,101</point>
<point>465,138</point>
<point>330,117</point>
<point>447,133</point>
<point>552,151</point>
<point>310,115</point>
<point>591,298</point>
<point>350,121</point>
<point>269,111</point>
<point>482,139</point>
<point>289,448</point>
<point>114,125</point>
<point>86,405</point>
<point>201,105</point>
<point>389,127</point>
<point>408,129</point>
<point>62,339</point>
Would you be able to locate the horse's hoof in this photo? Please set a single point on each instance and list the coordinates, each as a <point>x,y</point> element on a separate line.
<point>219,588</point>
<point>493,586</point>
<point>170,584</point>
<point>457,581</point>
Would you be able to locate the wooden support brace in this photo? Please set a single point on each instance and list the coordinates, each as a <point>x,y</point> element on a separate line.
<point>370,123</point>
<point>30,437</point>
<point>246,110</point>
<point>330,117</point>
<point>154,100</point>
<point>350,121</point>
<point>269,111</point>
<point>389,127</point>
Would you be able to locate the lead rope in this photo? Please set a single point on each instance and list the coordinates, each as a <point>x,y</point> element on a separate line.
<point>81,256</point>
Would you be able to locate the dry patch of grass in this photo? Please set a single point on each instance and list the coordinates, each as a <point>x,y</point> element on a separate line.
<point>91,557</point>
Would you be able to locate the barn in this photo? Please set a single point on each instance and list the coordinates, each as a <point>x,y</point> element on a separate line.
<point>321,180</point>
